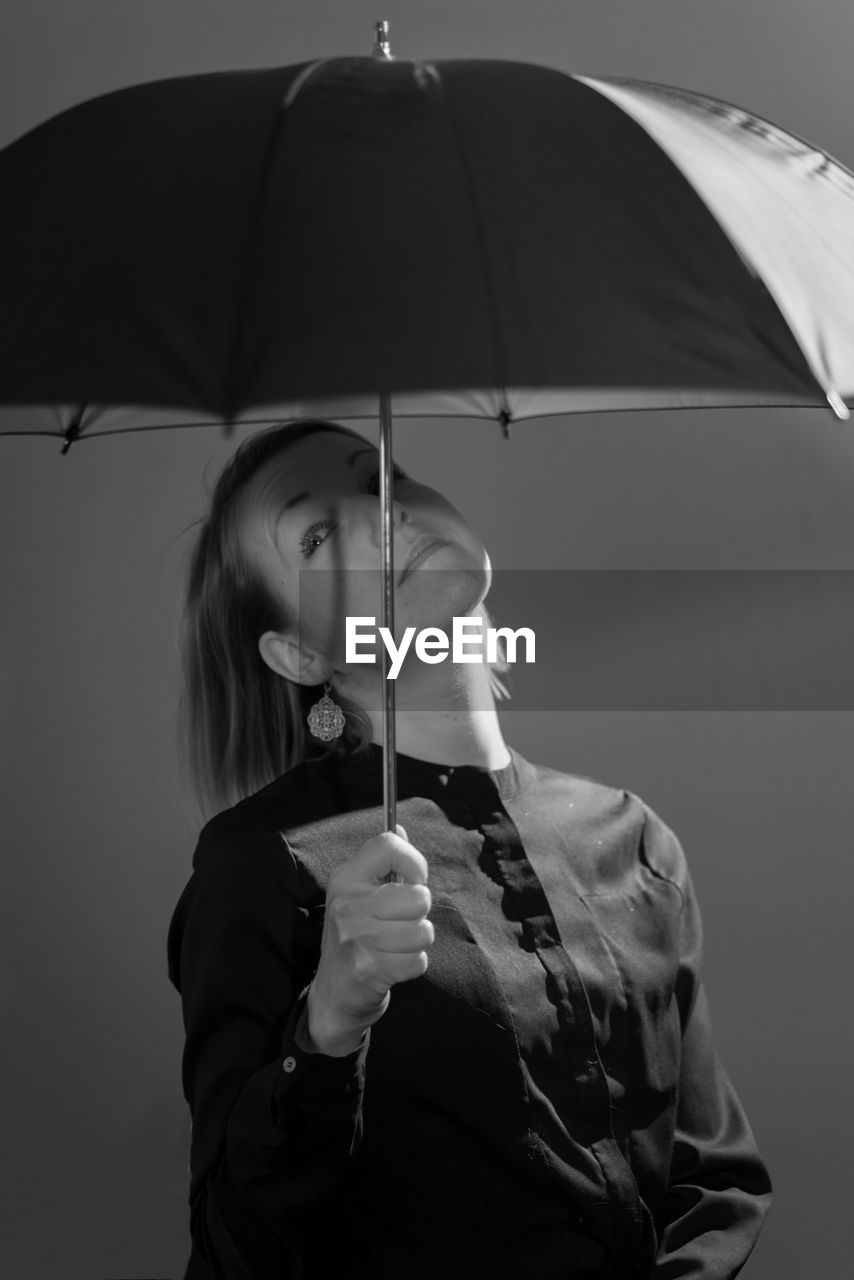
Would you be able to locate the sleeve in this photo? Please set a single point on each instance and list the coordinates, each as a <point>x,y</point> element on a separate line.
<point>719,1190</point>
<point>273,1125</point>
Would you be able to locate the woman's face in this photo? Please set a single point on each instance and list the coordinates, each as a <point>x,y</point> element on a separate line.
<point>323,551</point>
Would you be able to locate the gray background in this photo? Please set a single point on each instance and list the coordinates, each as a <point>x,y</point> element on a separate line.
<point>97,828</point>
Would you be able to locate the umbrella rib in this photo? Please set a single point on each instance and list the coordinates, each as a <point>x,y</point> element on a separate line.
<point>504,415</point>
<point>483,417</point>
<point>242,309</point>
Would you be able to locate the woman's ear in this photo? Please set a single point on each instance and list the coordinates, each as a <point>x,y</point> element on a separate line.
<point>284,656</point>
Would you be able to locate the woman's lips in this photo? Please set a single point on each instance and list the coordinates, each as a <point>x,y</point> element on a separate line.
<point>420,550</point>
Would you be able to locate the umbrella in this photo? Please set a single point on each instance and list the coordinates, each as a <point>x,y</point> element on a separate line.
<point>367,236</point>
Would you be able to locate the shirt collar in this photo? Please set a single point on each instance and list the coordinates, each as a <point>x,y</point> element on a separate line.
<point>425,777</point>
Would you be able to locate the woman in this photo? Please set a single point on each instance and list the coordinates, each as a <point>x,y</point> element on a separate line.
<point>495,1061</point>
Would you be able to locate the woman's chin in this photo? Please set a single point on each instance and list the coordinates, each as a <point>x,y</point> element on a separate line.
<point>434,596</point>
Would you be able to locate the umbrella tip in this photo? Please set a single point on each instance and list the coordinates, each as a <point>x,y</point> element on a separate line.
<point>382,48</point>
<point>72,431</point>
<point>838,405</point>
<point>504,419</point>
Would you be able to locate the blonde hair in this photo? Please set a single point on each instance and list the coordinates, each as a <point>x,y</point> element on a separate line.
<point>241,725</point>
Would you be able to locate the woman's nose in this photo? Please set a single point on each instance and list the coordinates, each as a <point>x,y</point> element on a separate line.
<point>399,517</point>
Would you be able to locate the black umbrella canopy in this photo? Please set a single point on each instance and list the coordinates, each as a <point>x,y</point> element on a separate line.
<point>470,236</point>
<point>364,237</point>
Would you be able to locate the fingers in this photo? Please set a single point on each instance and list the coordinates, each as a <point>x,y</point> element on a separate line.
<point>381,854</point>
<point>404,966</point>
<point>390,910</point>
<point>393,877</point>
<point>404,936</point>
<point>401,902</point>
<point>376,932</point>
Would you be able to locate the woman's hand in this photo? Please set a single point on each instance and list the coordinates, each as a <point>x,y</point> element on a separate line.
<point>374,935</point>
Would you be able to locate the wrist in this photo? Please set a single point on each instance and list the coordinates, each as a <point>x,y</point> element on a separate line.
<point>317,1033</point>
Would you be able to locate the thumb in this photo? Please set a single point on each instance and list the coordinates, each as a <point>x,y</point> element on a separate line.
<point>393,877</point>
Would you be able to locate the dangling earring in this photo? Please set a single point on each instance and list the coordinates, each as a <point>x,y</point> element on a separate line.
<point>326,719</point>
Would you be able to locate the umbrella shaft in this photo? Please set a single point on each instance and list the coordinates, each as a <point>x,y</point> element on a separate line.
<point>386,520</point>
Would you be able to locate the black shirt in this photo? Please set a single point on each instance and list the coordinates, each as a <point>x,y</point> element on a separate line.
<point>545,1100</point>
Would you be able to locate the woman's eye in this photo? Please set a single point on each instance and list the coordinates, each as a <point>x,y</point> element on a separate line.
<point>317,534</point>
<point>312,538</point>
<point>374,482</point>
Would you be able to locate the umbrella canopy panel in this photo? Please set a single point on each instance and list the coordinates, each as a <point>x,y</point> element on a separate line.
<point>472,236</point>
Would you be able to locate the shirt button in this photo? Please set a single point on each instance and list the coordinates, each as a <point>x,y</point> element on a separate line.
<point>289,1064</point>
<point>586,1067</point>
